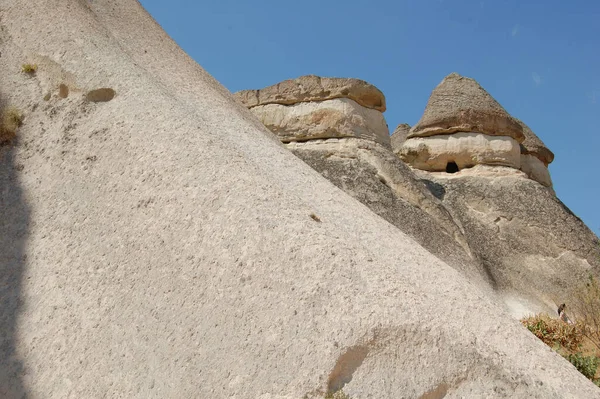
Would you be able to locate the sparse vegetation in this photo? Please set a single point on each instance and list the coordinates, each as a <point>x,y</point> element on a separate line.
<point>587,307</point>
<point>10,120</point>
<point>555,332</point>
<point>587,365</point>
<point>579,342</point>
<point>29,69</point>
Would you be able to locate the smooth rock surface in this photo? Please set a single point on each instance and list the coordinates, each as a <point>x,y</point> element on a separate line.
<point>433,153</point>
<point>535,169</point>
<point>314,88</point>
<point>535,248</point>
<point>161,245</point>
<point>460,104</point>
<point>336,118</point>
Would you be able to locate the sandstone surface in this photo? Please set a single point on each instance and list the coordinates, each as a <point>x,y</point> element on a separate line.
<point>314,88</point>
<point>398,137</point>
<point>433,153</point>
<point>535,169</point>
<point>335,118</point>
<point>163,245</point>
<point>460,104</point>
<point>534,146</point>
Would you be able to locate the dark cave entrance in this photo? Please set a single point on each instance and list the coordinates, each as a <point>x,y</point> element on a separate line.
<point>451,167</point>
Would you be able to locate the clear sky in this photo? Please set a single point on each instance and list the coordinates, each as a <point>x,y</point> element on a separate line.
<point>539,58</point>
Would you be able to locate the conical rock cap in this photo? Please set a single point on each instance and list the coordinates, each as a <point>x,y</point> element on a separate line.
<point>460,104</point>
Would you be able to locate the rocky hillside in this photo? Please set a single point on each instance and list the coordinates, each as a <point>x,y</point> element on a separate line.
<point>157,241</point>
<point>469,182</point>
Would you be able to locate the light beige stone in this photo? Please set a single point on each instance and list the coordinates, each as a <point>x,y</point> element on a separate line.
<point>398,137</point>
<point>161,245</point>
<point>314,88</point>
<point>336,118</point>
<point>535,169</point>
<point>460,104</point>
<point>433,153</point>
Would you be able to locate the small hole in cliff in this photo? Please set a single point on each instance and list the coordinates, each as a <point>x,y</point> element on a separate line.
<point>345,367</point>
<point>315,217</point>
<point>451,167</point>
<point>100,95</point>
<point>63,91</point>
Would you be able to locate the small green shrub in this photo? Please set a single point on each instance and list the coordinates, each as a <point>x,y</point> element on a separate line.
<point>29,69</point>
<point>10,120</point>
<point>587,365</point>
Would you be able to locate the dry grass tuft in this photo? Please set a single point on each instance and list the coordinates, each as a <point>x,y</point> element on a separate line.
<point>10,121</point>
<point>29,69</point>
<point>556,332</point>
<point>586,302</point>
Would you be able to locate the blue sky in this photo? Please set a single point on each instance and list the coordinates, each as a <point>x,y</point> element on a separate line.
<point>539,58</point>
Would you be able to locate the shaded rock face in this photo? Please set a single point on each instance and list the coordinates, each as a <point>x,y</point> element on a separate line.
<point>375,177</point>
<point>185,253</point>
<point>447,136</point>
<point>535,247</point>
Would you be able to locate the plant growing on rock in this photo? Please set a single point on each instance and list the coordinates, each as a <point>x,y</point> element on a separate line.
<point>587,365</point>
<point>29,69</point>
<point>10,120</point>
<point>555,332</point>
<point>587,307</point>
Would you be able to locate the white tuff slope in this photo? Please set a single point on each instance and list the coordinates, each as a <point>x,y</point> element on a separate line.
<point>161,245</point>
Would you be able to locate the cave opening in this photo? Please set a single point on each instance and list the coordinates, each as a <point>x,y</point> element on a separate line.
<point>451,167</point>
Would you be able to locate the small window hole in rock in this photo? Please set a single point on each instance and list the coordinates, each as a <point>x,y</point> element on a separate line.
<point>345,367</point>
<point>452,167</point>
<point>63,90</point>
<point>315,217</point>
<point>100,95</point>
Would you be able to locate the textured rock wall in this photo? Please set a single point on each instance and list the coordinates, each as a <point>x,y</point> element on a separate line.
<point>336,118</point>
<point>433,153</point>
<point>163,244</point>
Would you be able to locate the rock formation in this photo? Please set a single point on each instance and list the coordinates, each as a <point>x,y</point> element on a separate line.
<point>535,157</point>
<point>534,248</point>
<point>463,126</point>
<point>311,107</point>
<point>398,137</point>
<point>362,164</point>
<point>460,104</point>
<point>160,243</point>
<point>496,225</point>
